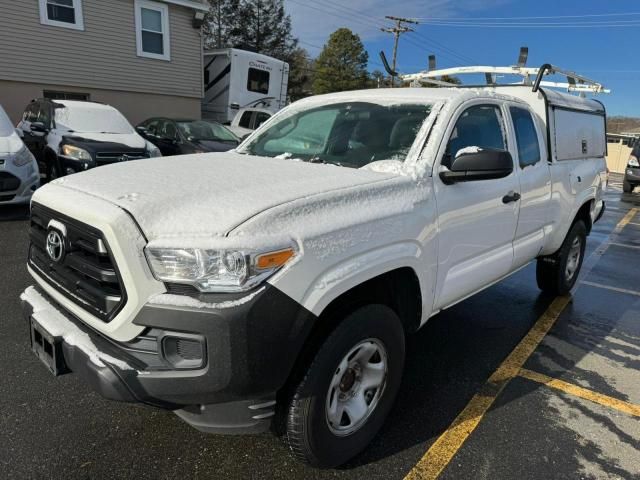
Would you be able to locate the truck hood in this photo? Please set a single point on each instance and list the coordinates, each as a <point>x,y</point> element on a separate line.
<point>208,195</point>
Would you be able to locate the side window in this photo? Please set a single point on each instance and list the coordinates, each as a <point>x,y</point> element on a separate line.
<point>62,13</point>
<point>258,81</point>
<point>152,127</point>
<point>44,115</point>
<point>170,130</point>
<point>28,115</point>
<point>245,119</point>
<point>261,117</point>
<point>480,126</point>
<point>526,137</point>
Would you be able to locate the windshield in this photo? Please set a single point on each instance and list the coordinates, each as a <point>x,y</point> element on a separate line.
<point>202,130</point>
<point>90,119</point>
<point>350,134</point>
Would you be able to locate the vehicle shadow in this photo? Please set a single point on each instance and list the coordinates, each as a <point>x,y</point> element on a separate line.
<point>14,212</point>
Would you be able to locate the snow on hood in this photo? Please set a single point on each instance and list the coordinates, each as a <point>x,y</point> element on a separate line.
<point>11,143</point>
<point>132,140</point>
<point>208,195</point>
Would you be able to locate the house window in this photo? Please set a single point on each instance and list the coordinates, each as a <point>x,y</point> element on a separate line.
<point>258,81</point>
<point>152,30</point>
<point>62,13</point>
<point>52,95</point>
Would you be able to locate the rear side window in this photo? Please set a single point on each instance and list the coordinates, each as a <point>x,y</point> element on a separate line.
<point>258,81</point>
<point>261,117</point>
<point>526,137</point>
<point>480,126</point>
<point>245,120</point>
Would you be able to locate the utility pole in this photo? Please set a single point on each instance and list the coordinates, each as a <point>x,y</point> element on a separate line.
<point>397,30</point>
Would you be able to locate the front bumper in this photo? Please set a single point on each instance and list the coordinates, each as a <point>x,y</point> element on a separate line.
<point>249,351</point>
<point>29,177</point>
<point>632,175</point>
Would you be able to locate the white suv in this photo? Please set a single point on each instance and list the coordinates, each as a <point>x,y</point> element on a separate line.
<point>19,174</point>
<point>277,283</point>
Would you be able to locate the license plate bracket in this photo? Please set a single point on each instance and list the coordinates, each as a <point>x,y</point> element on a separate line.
<point>48,348</point>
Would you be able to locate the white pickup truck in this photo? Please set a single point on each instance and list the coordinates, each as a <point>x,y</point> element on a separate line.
<point>274,285</point>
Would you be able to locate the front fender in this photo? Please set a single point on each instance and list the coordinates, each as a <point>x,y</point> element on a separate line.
<point>356,270</point>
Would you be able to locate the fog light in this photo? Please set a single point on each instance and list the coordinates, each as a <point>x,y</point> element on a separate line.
<point>183,352</point>
<point>70,171</point>
<point>629,172</point>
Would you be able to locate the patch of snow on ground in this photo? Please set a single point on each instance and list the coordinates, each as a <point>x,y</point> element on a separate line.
<point>57,325</point>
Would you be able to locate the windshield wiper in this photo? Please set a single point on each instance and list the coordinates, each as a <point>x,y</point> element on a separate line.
<point>317,159</point>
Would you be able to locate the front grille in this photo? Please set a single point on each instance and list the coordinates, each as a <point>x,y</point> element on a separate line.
<point>8,182</point>
<point>104,158</point>
<point>86,273</point>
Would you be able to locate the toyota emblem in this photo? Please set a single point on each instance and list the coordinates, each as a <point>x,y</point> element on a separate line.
<point>55,245</point>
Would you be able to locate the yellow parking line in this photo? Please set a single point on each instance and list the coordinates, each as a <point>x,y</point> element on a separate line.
<point>581,392</point>
<point>625,220</point>
<point>446,446</point>
<point>608,287</point>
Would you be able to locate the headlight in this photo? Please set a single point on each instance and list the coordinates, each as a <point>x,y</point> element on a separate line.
<point>633,161</point>
<point>75,152</point>
<point>153,150</point>
<point>23,157</point>
<point>216,270</point>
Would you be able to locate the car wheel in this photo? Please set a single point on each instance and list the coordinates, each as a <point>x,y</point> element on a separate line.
<point>349,388</point>
<point>627,187</point>
<point>53,170</point>
<point>558,273</point>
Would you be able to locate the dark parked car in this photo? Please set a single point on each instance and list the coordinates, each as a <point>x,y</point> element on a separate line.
<point>67,136</point>
<point>632,172</point>
<point>178,137</point>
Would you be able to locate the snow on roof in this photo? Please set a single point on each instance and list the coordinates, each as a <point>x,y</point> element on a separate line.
<point>195,4</point>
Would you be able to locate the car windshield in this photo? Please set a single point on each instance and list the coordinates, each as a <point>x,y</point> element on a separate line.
<point>92,119</point>
<point>6,127</point>
<point>350,134</point>
<point>203,130</point>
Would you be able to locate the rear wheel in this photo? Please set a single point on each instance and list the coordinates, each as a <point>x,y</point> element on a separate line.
<point>558,273</point>
<point>349,388</point>
<point>627,187</point>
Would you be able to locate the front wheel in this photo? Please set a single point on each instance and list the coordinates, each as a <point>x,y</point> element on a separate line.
<point>53,169</point>
<point>349,388</point>
<point>558,273</point>
<point>627,187</point>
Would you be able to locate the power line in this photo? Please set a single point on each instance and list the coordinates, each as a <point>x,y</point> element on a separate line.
<point>532,25</point>
<point>534,18</point>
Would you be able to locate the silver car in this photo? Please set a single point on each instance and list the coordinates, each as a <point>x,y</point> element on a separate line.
<point>19,174</point>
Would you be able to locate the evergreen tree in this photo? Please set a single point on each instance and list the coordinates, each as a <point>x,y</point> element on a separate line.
<point>266,28</point>
<point>221,27</point>
<point>342,64</point>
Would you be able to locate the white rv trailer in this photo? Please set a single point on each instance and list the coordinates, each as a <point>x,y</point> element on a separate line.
<point>235,79</point>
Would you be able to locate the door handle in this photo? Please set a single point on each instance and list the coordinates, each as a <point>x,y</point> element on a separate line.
<point>511,197</point>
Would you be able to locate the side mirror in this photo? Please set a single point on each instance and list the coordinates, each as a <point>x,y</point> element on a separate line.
<point>38,127</point>
<point>141,130</point>
<point>478,165</point>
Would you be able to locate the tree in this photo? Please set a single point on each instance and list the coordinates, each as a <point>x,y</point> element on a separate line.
<point>221,27</point>
<point>300,74</point>
<point>342,64</point>
<point>266,28</point>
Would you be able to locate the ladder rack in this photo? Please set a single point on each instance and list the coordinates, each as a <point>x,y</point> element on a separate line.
<point>530,76</point>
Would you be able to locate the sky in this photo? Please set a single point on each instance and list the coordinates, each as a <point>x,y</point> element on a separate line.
<point>600,40</point>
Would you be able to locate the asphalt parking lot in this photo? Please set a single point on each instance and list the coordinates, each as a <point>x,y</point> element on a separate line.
<point>508,384</point>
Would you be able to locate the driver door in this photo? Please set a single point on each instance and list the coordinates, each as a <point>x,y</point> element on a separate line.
<point>477,219</point>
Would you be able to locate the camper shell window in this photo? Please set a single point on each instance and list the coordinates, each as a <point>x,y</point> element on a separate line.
<point>258,81</point>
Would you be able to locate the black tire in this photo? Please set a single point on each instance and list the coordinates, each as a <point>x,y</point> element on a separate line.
<point>627,187</point>
<point>53,169</point>
<point>552,273</point>
<point>308,433</point>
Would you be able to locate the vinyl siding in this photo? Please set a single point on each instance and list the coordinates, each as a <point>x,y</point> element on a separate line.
<point>103,55</point>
